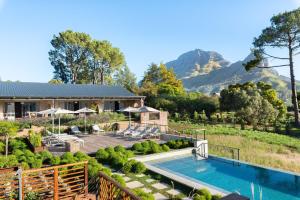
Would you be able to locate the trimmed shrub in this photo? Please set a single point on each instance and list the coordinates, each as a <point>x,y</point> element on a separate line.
<point>143,195</point>
<point>117,161</point>
<point>137,147</point>
<point>165,148</point>
<point>128,154</point>
<point>127,168</point>
<point>198,197</point>
<point>9,161</point>
<point>55,160</point>
<point>25,165</point>
<point>138,168</point>
<point>216,197</point>
<point>106,171</point>
<point>120,148</point>
<point>102,155</point>
<point>80,156</point>
<point>171,144</point>
<point>37,163</point>
<point>204,192</point>
<point>67,158</point>
<point>94,167</point>
<point>46,157</point>
<point>154,147</point>
<point>109,150</point>
<point>28,154</point>
<point>119,179</point>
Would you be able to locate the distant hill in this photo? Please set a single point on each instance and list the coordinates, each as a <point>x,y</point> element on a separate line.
<point>197,62</point>
<point>209,72</point>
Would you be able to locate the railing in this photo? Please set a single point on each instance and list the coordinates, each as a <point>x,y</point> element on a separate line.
<point>109,189</point>
<point>9,183</point>
<point>194,135</point>
<point>56,182</point>
<point>225,151</point>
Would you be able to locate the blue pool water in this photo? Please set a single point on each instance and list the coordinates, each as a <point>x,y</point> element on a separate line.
<point>223,174</point>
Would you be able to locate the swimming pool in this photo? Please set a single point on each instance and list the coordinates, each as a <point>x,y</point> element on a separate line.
<point>235,177</point>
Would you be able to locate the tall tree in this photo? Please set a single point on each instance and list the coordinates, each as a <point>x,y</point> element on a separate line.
<point>162,80</point>
<point>69,55</point>
<point>283,33</point>
<point>125,78</point>
<point>104,60</point>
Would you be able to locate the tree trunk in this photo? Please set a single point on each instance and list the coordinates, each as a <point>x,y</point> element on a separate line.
<point>6,145</point>
<point>101,74</point>
<point>293,85</point>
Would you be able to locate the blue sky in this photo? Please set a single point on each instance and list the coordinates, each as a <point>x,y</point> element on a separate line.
<point>145,31</point>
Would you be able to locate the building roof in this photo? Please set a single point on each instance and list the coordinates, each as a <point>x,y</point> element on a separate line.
<point>30,90</point>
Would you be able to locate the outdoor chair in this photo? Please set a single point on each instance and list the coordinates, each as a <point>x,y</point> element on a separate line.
<point>75,130</point>
<point>129,131</point>
<point>96,129</point>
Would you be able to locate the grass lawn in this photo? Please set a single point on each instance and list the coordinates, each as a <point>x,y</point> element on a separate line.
<point>262,148</point>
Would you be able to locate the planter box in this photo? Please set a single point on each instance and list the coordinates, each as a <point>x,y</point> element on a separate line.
<point>35,149</point>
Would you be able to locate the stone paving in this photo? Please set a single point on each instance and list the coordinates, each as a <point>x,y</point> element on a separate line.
<point>126,179</point>
<point>150,180</point>
<point>159,196</point>
<point>147,190</point>
<point>163,189</point>
<point>134,184</point>
<point>173,192</point>
<point>160,186</point>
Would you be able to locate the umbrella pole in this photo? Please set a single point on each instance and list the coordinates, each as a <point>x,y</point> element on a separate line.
<point>58,124</point>
<point>52,116</point>
<point>129,119</point>
<point>84,122</point>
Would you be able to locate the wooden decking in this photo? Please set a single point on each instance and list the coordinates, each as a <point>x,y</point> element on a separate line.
<point>93,142</point>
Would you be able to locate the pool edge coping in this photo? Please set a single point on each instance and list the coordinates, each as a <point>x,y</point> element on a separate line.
<point>189,182</point>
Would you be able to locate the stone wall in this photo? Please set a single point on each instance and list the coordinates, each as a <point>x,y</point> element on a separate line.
<point>162,122</point>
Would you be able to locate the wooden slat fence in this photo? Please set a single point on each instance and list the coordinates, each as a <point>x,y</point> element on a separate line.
<point>109,189</point>
<point>9,183</point>
<point>57,182</point>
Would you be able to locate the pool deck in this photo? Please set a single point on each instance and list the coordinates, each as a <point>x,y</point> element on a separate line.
<point>93,142</point>
<point>180,179</point>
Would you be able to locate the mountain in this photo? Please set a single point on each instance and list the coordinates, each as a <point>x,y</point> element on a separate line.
<point>209,72</point>
<point>197,62</point>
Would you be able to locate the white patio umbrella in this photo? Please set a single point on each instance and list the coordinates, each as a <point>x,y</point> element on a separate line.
<point>144,109</point>
<point>60,112</point>
<point>47,112</point>
<point>85,110</point>
<point>56,111</point>
<point>129,110</point>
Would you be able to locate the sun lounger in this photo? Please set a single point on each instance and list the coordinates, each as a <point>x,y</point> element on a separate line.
<point>75,130</point>
<point>129,131</point>
<point>97,129</point>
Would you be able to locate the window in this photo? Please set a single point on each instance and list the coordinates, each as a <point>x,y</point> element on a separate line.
<point>154,116</point>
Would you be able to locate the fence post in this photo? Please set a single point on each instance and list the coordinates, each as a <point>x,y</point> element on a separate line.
<point>55,179</point>
<point>19,173</point>
<point>86,190</point>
